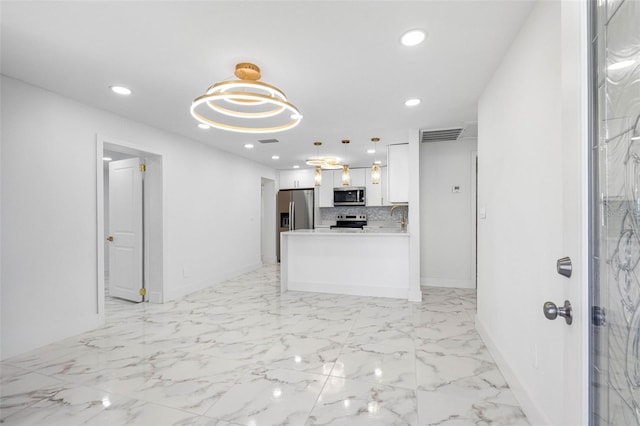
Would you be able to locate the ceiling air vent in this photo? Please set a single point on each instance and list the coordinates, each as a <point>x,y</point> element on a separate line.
<point>440,135</point>
<point>268,140</point>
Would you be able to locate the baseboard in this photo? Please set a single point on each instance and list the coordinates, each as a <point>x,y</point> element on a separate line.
<point>446,282</point>
<point>531,410</point>
<point>193,287</point>
<point>269,260</point>
<point>352,290</point>
<point>35,334</point>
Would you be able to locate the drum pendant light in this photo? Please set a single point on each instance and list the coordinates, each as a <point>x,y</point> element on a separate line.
<point>346,176</point>
<point>317,174</point>
<point>375,169</point>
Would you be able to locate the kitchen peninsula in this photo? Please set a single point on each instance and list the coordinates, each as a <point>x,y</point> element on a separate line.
<point>354,262</point>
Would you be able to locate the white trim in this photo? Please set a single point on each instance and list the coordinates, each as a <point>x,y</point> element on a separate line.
<point>474,219</point>
<point>156,294</point>
<point>176,293</point>
<point>446,282</point>
<point>534,414</point>
<point>352,290</point>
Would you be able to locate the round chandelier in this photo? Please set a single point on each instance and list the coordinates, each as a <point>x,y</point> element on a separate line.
<point>234,104</point>
<point>328,163</point>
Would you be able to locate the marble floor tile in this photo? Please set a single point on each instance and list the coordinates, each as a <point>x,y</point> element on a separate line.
<point>193,382</point>
<point>270,397</point>
<point>22,389</point>
<point>242,353</point>
<point>352,403</point>
<point>65,406</point>
<point>377,363</point>
<point>131,411</point>
<point>468,403</point>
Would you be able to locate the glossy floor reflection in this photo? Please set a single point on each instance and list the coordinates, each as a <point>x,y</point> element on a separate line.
<point>240,353</point>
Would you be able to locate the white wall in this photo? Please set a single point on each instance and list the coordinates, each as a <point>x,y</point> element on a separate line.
<point>521,164</point>
<point>49,267</point>
<point>447,231</point>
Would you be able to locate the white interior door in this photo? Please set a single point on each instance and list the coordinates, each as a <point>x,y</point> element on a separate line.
<point>125,230</point>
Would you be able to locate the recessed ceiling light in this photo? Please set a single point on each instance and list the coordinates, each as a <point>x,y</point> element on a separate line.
<point>295,166</point>
<point>107,158</point>
<point>204,126</point>
<point>248,145</point>
<point>371,151</point>
<point>275,157</point>
<point>412,102</point>
<point>120,90</point>
<point>413,37</point>
<point>620,65</point>
<point>377,162</point>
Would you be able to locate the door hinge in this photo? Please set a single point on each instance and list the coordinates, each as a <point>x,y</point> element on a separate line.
<point>598,316</point>
<point>143,167</point>
<point>143,291</point>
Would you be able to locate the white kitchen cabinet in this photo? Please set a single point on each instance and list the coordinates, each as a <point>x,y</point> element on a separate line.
<point>398,173</point>
<point>325,198</point>
<point>358,177</point>
<point>384,185</point>
<point>299,178</point>
<point>377,193</point>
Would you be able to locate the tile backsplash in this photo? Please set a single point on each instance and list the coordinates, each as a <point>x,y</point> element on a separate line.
<point>375,215</point>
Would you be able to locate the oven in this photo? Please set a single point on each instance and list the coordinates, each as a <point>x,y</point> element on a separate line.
<point>355,221</point>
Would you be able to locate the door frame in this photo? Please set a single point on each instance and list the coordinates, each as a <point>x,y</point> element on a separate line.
<point>267,221</point>
<point>154,232</point>
<point>474,218</point>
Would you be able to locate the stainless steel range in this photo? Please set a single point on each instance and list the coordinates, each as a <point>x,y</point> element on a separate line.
<point>350,221</point>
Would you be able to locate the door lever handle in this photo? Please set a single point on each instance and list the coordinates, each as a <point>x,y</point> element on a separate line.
<point>551,311</point>
<point>110,238</point>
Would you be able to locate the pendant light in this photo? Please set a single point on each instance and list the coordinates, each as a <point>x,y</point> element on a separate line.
<point>245,105</point>
<point>375,169</point>
<point>346,177</point>
<point>329,163</point>
<point>317,174</point>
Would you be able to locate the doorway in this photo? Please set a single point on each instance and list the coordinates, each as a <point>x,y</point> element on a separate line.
<point>153,212</point>
<point>615,214</point>
<point>267,221</point>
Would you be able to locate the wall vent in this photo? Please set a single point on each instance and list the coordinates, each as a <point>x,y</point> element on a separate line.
<point>440,135</point>
<point>268,140</point>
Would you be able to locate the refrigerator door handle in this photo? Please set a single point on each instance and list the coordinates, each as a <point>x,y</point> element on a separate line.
<point>292,216</point>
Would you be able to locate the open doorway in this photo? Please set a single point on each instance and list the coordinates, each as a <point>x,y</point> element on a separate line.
<point>267,221</point>
<point>152,240</point>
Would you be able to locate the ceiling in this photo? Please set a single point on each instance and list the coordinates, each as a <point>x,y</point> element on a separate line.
<point>339,62</point>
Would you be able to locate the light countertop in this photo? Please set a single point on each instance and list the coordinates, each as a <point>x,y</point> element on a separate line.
<point>390,232</point>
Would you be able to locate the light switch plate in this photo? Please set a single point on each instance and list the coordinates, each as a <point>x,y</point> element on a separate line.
<point>482,212</point>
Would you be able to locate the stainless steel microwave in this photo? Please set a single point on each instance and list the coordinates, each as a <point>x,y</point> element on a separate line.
<point>348,196</point>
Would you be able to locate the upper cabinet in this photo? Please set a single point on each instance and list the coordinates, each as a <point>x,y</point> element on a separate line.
<point>299,178</point>
<point>325,196</point>
<point>377,193</point>
<point>398,173</point>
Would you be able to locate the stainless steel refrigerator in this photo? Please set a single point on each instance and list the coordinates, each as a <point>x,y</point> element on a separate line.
<point>295,211</point>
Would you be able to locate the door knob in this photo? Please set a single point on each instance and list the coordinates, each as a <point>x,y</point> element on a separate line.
<point>109,238</point>
<point>551,311</point>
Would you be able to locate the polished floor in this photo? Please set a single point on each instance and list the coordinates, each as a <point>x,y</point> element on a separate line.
<point>240,353</point>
